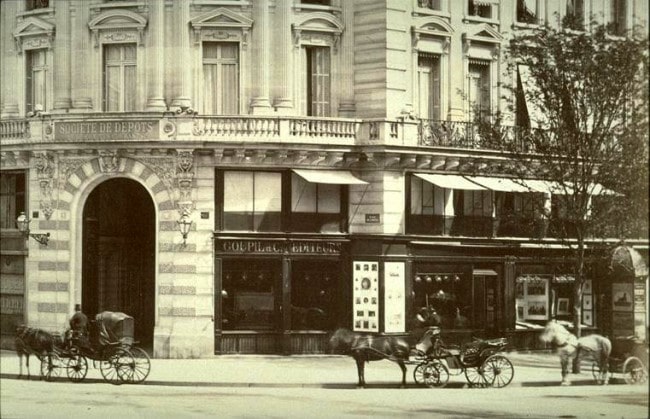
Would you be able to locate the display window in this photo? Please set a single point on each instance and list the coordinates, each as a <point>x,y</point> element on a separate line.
<point>249,294</point>
<point>448,293</point>
<point>314,295</point>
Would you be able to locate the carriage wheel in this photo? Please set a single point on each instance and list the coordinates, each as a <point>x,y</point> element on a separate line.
<point>77,368</point>
<point>418,373</point>
<point>476,378</point>
<point>51,368</point>
<point>436,375</point>
<point>138,371</point>
<point>115,366</point>
<point>634,371</point>
<point>498,371</point>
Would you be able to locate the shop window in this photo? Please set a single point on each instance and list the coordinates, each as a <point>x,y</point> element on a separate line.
<point>314,295</point>
<point>250,294</point>
<point>316,2</point>
<point>317,83</point>
<point>449,293</point>
<point>252,201</point>
<point>429,86</point>
<point>221,78</point>
<point>479,87</point>
<point>119,77</point>
<point>532,298</point>
<point>12,198</point>
<point>527,11</point>
<point>480,8</point>
<point>315,207</point>
<point>36,4</point>
<point>36,70</point>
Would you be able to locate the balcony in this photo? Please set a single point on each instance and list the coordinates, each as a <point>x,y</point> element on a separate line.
<point>172,127</point>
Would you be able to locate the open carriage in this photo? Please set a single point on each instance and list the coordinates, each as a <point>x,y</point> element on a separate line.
<point>629,357</point>
<point>479,360</point>
<point>110,346</point>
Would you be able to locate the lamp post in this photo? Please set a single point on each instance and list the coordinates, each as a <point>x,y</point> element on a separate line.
<point>22,222</point>
<point>184,225</point>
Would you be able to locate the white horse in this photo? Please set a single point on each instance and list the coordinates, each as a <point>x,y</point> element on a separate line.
<point>594,347</point>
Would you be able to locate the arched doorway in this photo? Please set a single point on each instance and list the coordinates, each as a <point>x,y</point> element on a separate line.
<point>118,262</point>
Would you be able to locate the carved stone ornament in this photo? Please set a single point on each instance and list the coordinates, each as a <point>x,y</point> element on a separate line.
<point>45,168</point>
<point>185,174</point>
<point>109,162</point>
<point>33,33</point>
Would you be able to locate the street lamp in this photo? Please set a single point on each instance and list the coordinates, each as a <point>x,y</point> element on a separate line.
<point>22,222</point>
<point>184,225</point>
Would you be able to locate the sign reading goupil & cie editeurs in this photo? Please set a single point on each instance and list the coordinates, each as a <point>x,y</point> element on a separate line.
<point>253,246</point>
<point>106,130</point>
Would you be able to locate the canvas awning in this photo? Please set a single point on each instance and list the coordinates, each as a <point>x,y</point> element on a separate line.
<point>630,260</point>
<point>335,177</point>
<point>531,94</point>
<point>547,186</point>
<point>450,181</point>
<point>498,184</point>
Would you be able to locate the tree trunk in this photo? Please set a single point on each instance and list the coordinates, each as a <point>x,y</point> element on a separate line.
<point>577,299</point>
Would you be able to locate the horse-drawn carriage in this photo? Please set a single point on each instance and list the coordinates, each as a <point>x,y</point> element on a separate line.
<point>479,360</point>
<point>629,357</point>
<point>110,344</point>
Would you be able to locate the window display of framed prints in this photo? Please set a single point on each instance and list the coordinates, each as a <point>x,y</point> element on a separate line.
<point>563,306</point>
<point>587,303</point>
<point>532,296</point>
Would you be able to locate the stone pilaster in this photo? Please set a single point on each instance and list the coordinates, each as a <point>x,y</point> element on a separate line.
<point>346,55</point>
<point>181,69</point>
<point>284,103</point>
<point>81,46</point>
<point>156,59</point>
<point>260,103</point>
<point>62,100</point>
<point>11,62</point>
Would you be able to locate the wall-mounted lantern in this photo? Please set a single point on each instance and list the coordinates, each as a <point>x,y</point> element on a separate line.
<point>22,222</point>
<point>184,225</point>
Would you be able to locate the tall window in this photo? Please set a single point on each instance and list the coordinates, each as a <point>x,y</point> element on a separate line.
<point>618,21</point>
<point>527,11</point>
<point>36,4</point>
<point>479,89</point>
<point>221,78</point>
<point>475,204</point>
<point>12,198</point>
<point>315,207</point>
<point>575,14</point>
<point>430,4</point>
<point>119,77</point>
<point>252,201</point>
<point>429,86</point>
<point>317,79</point>
<point>480,8</point>
<point>36,69</point>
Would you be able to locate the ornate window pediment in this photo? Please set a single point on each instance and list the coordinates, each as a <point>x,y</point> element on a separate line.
<point>484,33</point>
<point>317,29</point>
<point>221,25</point>
<point>33,33</point>
<point>431,28</point>
<point>118,26</point>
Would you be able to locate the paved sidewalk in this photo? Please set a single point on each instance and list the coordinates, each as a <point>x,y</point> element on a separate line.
<point>327,371</point>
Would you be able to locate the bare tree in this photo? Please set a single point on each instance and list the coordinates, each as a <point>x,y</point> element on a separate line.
<point>582,116</point>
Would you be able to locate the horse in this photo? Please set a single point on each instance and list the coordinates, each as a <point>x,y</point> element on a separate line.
<point>569,347</point>
<point>366,348</point>
<point>32,341</point>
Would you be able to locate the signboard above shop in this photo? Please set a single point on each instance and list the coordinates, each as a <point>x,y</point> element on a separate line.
<point>277,246</point>
<point>122,130</point>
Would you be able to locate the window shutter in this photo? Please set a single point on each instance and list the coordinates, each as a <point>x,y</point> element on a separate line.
<point>320,81</point>
<point>29,86</point>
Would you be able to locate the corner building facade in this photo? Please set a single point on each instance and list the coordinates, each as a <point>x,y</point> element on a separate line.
<point>319,151</point>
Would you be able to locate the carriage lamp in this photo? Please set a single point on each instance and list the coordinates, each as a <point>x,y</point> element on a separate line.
<point>22,222</point>
<point>184,225</point>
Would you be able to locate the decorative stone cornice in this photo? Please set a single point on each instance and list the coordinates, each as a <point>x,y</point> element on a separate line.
<point>118,25</point>
<point>33,33</point>
<point>317,28</point>
<point>221,24</point>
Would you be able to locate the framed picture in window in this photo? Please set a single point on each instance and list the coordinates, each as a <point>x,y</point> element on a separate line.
<point>562,306</point>
<point>520,312</point>
<point>587,318</point>
<point>587,287</point>
<point>587,302</point>
<point>536,310</point>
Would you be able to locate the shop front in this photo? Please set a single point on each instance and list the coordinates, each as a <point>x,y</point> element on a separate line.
<point>279,295</point>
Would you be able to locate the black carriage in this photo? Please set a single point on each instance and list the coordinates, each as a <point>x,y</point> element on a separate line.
<point>629,357</point>
<point>479,360</point>
<point>110,346</point>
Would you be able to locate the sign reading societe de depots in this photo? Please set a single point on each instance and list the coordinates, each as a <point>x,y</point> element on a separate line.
<point>254,246</point>
<point>106,130</point>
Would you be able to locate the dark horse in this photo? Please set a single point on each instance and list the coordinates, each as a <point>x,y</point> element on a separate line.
<point>31,341</point>
<point>366,348</point>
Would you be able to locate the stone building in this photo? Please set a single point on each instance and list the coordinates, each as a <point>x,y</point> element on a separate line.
<point>243,176</point>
